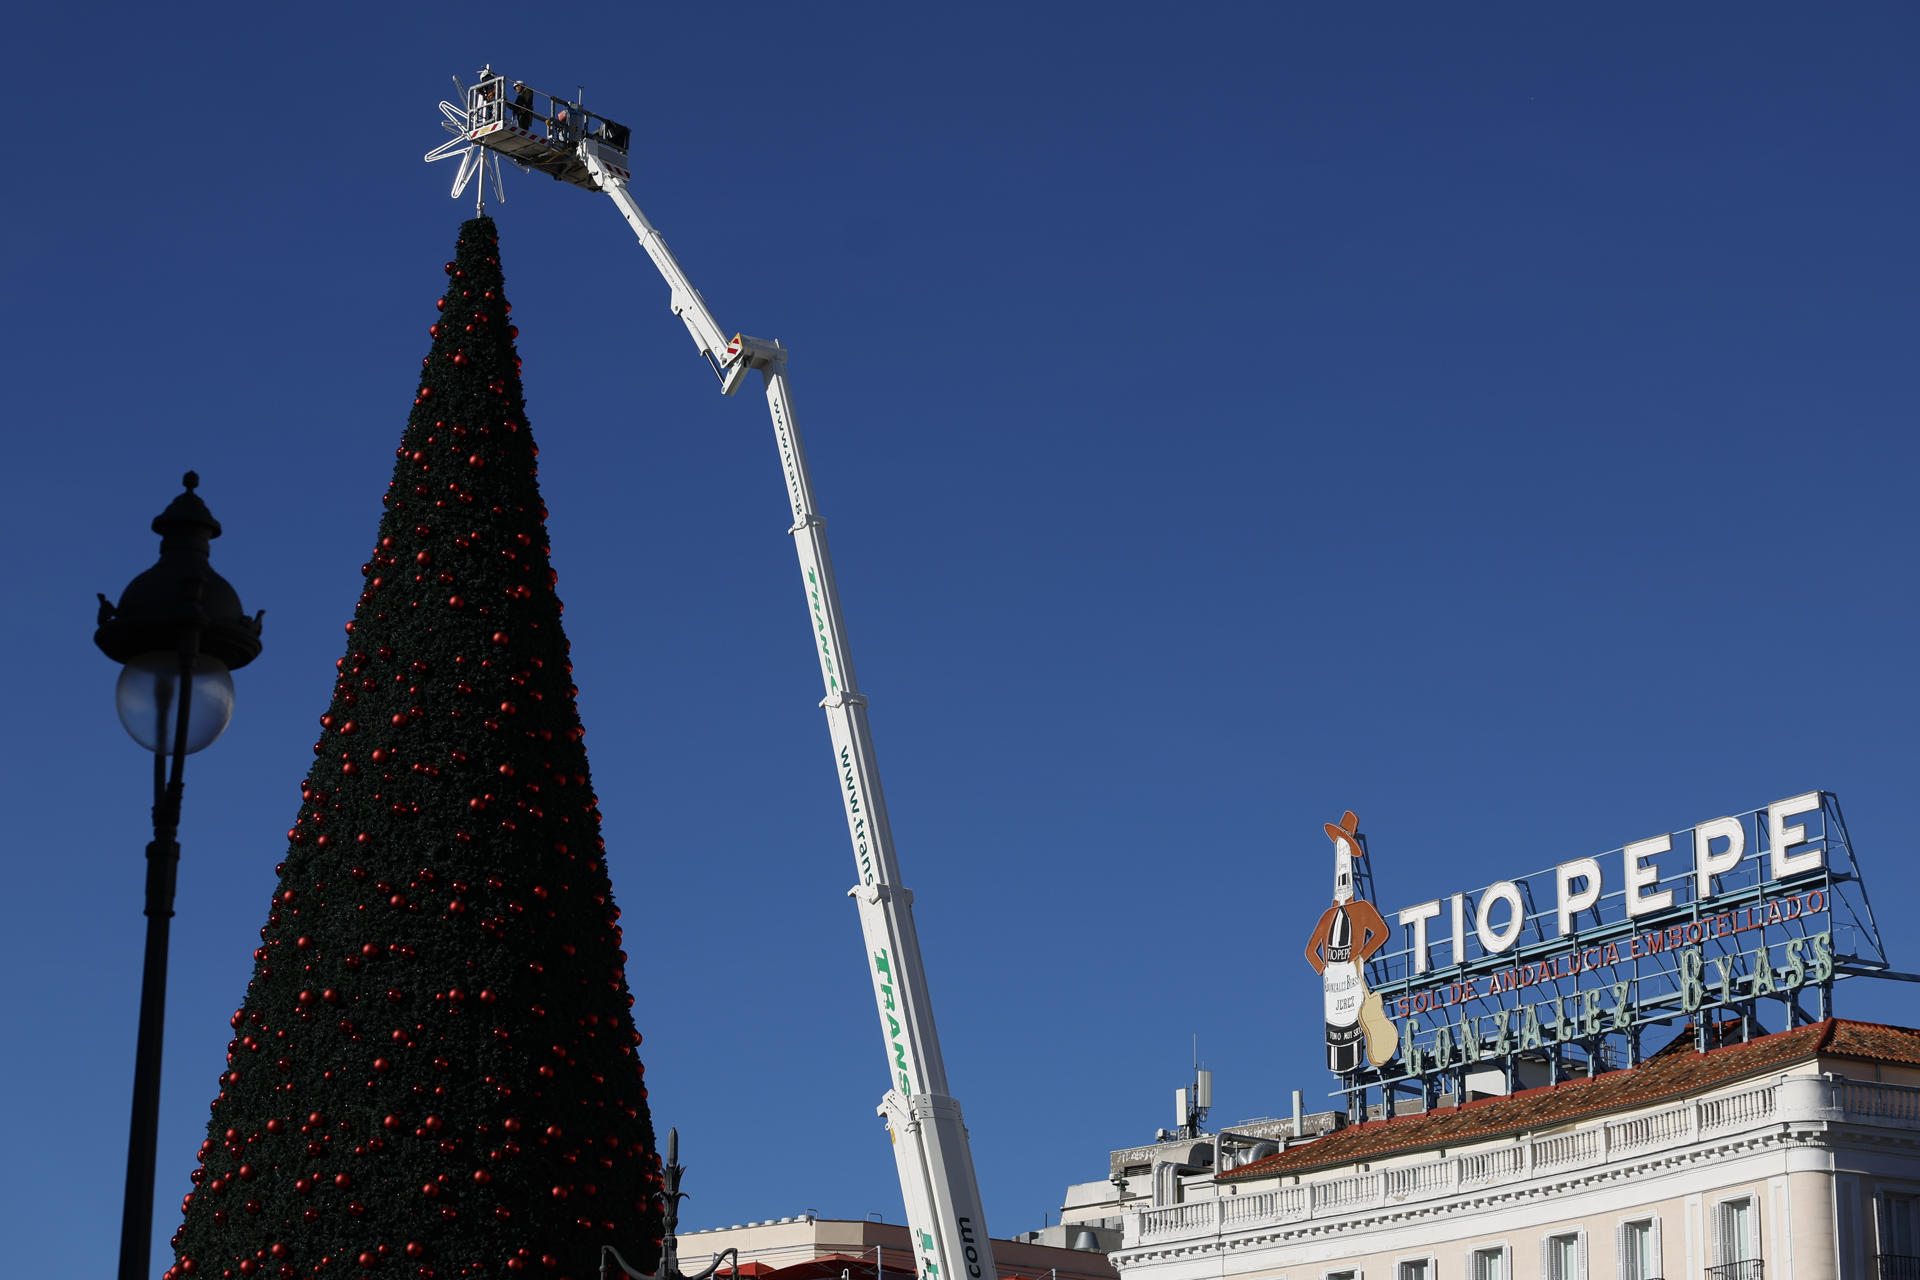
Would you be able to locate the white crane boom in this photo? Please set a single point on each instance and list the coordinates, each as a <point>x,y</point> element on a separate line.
<point>935,1163</point>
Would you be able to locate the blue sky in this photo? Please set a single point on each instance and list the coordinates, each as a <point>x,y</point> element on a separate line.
<point>1498,422</point>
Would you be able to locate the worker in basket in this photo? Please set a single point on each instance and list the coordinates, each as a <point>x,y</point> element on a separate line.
<point>522,107</point>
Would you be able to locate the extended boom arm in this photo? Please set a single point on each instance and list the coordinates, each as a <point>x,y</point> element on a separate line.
<point>942,1195</point>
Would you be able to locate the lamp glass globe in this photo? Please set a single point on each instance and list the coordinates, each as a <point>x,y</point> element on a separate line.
<point>148,696</point>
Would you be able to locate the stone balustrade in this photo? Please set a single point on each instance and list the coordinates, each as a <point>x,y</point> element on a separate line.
<point>1784,1100</point>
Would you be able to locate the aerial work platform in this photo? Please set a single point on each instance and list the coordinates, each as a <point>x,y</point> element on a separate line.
<point>535,130</point>
<point>931,1151</point>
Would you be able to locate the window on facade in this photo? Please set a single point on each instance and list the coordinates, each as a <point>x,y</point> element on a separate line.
<point>1897,1235</point>
<point>1563,1258</point>
<point>1733,1238</point>
<point>1343,1275</point>
<point>1416,1269</point>
<point>1640,1250</point>
<point>1489,1264</point>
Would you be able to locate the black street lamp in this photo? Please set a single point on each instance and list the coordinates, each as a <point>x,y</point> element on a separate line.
<point>670,1195</point>
<point>178,630</point>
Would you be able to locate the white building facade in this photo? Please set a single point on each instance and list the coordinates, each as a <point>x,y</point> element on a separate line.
<point>1794,1156</point>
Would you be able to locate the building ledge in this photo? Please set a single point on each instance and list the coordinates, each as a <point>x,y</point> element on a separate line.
<point>1780,1104</point>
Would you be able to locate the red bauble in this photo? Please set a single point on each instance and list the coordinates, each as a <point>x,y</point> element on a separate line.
<point>415,1249</point>
<point>343,1180</point>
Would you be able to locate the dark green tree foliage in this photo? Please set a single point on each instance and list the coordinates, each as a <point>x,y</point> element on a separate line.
<point>434,1070</point>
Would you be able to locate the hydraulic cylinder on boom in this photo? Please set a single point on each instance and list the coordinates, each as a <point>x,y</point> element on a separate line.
<point>935,1164</point>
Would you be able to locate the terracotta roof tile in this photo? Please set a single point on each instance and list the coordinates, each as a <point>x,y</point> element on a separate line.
<point>1666,1076</point>
<point>1873,1042</point>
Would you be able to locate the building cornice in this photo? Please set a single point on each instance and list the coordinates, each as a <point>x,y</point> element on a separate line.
<point>1786,1112</point>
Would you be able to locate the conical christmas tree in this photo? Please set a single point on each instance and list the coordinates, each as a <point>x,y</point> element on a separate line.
<point>433,1071</point>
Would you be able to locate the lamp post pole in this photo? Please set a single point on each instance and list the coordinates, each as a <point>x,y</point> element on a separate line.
<point>178,626</point>
<point>163,866</point>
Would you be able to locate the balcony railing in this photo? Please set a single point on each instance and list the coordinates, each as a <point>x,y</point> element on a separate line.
<point>1751,1269</point>
<point>1784,1099</point>
<point>1896,1266</point>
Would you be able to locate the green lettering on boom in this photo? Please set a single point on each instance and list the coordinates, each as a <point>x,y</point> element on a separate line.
<point>787,457</point>
<point>884,969</point>
<point>820,632</point>
<point>853,811</point>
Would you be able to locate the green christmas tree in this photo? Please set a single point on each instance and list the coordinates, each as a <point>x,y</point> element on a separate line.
<point>434,1072</point>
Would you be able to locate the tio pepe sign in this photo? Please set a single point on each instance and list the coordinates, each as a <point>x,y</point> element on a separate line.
<point>1592,948</point>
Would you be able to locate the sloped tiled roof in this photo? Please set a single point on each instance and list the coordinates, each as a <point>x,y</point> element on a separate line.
<point>1666,1076</point>
<point>1873,1042</point>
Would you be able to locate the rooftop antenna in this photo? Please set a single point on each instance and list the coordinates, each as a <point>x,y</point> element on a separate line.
<point>1191,1104</point>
